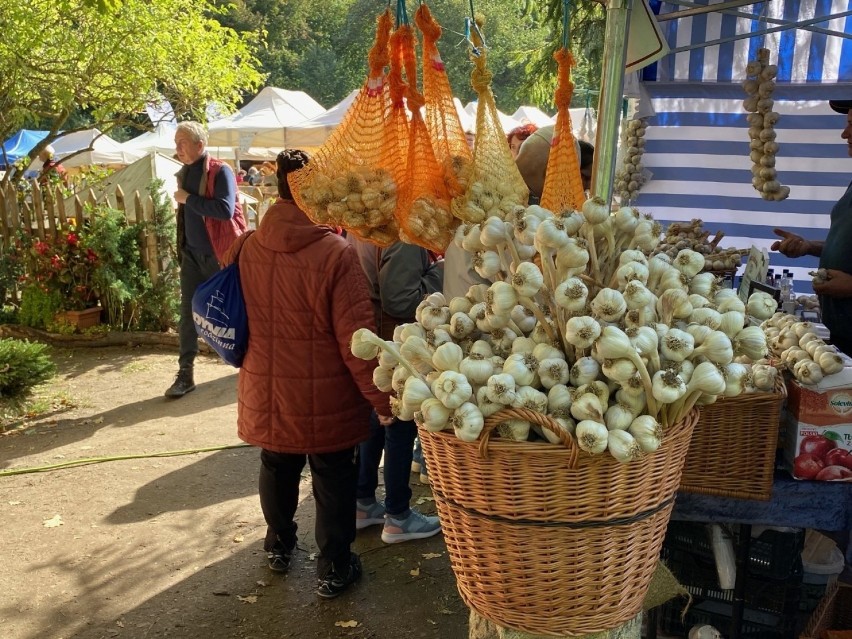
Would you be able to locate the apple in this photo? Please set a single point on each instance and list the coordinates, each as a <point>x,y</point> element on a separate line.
<point>830,473</point>
<point>807,466</point>
<point>816,445</point>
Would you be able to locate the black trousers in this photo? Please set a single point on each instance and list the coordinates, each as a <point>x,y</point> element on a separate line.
<point>334,478</point>
<point>195,269</point>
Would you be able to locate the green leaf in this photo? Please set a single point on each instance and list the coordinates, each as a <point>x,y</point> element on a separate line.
<point>830,434</point>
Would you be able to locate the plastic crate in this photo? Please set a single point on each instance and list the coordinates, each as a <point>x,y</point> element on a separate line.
<point>772,555</point>
<point>755,625</point>
<point>699,576</point>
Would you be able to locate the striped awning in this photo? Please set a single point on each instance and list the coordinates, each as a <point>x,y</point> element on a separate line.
<point>697,149</point>
<point>812,53</point>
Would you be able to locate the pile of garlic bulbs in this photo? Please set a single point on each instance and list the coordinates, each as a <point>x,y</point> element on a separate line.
<point>631,176</point>
<point>363,199</point>
<point>762,119</point>
<point>429,223</point>
<point>692,235</point>
<point>579,324</point>
<point>489,196</point>
<point>800,349</point>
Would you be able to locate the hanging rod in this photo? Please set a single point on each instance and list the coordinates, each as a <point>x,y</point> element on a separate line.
<point>698,9</point>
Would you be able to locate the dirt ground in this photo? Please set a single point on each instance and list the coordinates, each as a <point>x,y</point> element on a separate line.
<point>172,546</point>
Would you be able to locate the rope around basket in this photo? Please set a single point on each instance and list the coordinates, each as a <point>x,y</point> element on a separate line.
<point>525,414</point>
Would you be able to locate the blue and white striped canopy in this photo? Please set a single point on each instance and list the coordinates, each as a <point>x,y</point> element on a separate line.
<point>697,144</point>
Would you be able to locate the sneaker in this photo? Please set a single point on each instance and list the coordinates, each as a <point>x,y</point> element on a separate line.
<point>416,467</point>
<point>369,515</point>
<point>415,526</point>
<point>182,385</point>
<point>279,558</point>
<point>333,584</point>
<point>424,479</point>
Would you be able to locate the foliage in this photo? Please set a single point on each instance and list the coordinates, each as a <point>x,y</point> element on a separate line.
<point>12,262</point>
<point>39,307</point>
<point>23,365</point>
<point>109,60</point>
<point>65,264</point>
<point>159,307</point>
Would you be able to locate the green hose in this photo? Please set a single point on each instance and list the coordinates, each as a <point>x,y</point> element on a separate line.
<point>100,460</point>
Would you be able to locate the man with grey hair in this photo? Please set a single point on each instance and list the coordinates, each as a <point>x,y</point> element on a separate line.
<point>50,168</point>
<point>209,219</point>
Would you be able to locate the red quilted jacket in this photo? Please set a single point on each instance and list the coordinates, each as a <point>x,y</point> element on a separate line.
<point>300,389</point>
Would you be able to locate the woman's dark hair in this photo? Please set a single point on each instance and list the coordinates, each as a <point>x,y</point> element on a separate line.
<point>521,132</point>
<point>288,160</point>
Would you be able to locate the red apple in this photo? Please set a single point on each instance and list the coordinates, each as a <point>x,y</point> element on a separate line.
<point>816,445</point>
<point>807,466</point>
<point>838,457</point>
<point>834,472</point>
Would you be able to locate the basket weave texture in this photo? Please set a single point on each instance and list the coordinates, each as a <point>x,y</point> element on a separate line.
<point>833,613</point>
<point>745,469</point>
<point>548,539</point>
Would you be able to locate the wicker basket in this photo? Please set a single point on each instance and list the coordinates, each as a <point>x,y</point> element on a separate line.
<point>732,453</point>
<point>833,613</point>
<point>546,538</point>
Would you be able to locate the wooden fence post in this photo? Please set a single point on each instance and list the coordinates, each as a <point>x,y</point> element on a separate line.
<point>60,208</point>
<point>38,209</point>
<point>6,216</point>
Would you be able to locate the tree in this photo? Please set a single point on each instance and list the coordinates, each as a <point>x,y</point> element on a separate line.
<point>109,58</point>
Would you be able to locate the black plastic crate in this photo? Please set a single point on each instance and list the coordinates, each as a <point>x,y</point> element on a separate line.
<point>756,624</point>
<point>772,555</point>
<point>699,576</point>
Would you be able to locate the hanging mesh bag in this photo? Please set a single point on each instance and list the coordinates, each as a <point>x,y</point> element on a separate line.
<point>353,181</point>
<point>424,214</point>
<point>563,184</point>
<point>442,117</point>
<point>496,186</point>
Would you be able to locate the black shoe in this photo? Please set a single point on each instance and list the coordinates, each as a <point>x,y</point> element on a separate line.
<point>333,584</point>
<point>279,558</point>
<point>183,384</point>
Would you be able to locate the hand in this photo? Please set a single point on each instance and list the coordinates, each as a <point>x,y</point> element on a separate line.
<point>792,245</point>
<point>838,284</point>
<point>181,196</point>
<point>385,421</point>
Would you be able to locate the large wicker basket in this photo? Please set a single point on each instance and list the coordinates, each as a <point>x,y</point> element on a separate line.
<point>833,613</point>
<point>546,538</point>
<point>732,453</point>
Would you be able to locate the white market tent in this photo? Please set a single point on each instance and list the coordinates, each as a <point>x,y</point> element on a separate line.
<point>507,122</point>
<point>697,144</point>
<point>261,122</point>
<point>160,140</point>
<point>99,149</point>
<point>533,115</point>
<point>314,132</point>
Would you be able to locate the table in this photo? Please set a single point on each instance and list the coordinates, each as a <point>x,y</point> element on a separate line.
<point>797,504</point>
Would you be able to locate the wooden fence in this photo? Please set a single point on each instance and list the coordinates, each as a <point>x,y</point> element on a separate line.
<point>45,212</point>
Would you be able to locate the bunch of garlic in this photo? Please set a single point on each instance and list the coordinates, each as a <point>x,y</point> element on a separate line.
<point>631,176</point>
<point>580,325</point>
<point>762,119</point>
<point>761,305</point>
<point>800,349</point>
<point>362,199</point>
<point>489,196</point>
<point>429,223</point>
<point>693,236</point>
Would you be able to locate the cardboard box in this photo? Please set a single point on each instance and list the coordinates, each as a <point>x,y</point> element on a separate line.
<point>818,433</point>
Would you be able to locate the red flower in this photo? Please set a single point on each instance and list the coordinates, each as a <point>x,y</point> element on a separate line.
<point>40,247</point>
<point>72,239</point>
<point>56,261</point>
<point>91,256</point>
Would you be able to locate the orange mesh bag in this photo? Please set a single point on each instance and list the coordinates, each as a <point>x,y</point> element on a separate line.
<point>496,187</point>
<point>424,214</point>
<point>353,181</point>
<point>442,118</point>
<point>563,184</point>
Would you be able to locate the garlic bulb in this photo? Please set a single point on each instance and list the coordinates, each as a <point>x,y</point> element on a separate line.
<point>452,389</point>
<point>486,263</point>
<point>647,432</point>
<point>524,346</point>
<point>623,446</point>
<point>808,372</point>
<point>761,305</point>
<point>595,210</point>
<point>618,370</point>
<point>750,342</point>
<point>609,305</point>
<point>688,262</point>
<point>382,378</point>
<point>523,367</point>
<point>582,331</point>
<point>461,325</point>
<point>467,422</point>
<point>618,417</point>
<point>677,345</point>
<point>571,294</point>
<point>364,344</point>
<point>553,371</point>
<point>559,399</point>
<point>434,415</point>
<point>527,279</point>
<point>448,357</point>
<point>735,378</point>
<point>732,323</point>
<point>501,389</point>
<point>566,424</point>
<point>592,436</point>
<point>584,370</point>
<point>830,363</point>
<point>416,350</point>
<point>717,348</point>
<point>415,392</point>
<point>763,376</point>
<point>667,387</point>
<point>587,406</point>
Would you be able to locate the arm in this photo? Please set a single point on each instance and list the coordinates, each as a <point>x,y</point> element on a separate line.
<point>221,205</point>
<point>351,309</point>
<point>406,277</point>
<point>793,245</point>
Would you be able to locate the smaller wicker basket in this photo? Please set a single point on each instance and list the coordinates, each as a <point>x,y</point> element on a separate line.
<point>833,613</point>
<point>732,453</point>
<point>546,538</point>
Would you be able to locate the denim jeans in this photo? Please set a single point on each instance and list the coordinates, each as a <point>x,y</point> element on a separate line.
<point>195,269</point>
<point>397,443</point>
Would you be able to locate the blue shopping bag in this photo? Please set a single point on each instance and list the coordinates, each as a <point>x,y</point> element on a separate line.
<point>219,314</point>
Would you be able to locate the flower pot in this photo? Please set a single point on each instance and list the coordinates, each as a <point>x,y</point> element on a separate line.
<point>81,319</point>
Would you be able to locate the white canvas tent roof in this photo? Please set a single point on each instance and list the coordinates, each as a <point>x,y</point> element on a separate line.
<point>315,131</point>
<point>261,121</point>
<point>104,150</point>
<point>507,122</point>
<point>533,115</point>
<point>160,140</point>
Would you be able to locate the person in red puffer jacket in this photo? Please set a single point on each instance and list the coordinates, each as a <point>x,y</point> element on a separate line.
<point>302,395</point>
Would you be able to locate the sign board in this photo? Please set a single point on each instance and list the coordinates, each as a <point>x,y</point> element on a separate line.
<point>755,271</point>
<point>645,41</point>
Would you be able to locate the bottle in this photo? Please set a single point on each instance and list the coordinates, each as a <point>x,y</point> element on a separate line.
<point>770,277</point>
